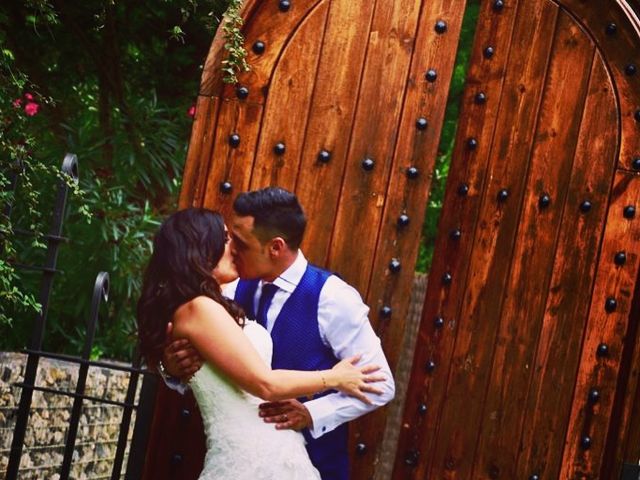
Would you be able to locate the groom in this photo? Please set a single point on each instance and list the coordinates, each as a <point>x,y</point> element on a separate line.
<point>314,318</point>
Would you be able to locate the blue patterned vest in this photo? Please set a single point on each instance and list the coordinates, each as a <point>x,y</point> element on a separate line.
<point>297,345</point>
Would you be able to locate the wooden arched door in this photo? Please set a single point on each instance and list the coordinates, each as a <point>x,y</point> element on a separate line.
<point>526,363</point>
<point>343,105</point>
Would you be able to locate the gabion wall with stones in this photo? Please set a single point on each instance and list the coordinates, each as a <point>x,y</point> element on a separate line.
<point>49,420</point>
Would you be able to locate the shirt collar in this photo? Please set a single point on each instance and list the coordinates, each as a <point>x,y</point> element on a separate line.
<point>290,278</point>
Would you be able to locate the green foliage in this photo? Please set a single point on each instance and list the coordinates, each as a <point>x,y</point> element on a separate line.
<point>17,113</point>
<point>447,138</point>
<point>113,82</point>
<point>236,60</point>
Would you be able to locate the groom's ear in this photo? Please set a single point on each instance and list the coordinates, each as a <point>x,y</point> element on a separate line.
<point>278,245</point>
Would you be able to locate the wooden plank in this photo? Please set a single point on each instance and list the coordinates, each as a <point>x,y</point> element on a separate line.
<point>331,117</point>
<point>415,148</point>
<point>459,213</point>
<point>176,446</point>
<point>604,328</point>
<point>620,49</point>
<point>532,260</point>
<point>626,439</point>
<point>265,22</point>
<point>229,163</point>
<point>200,151</point>
<point>558,346</point>
<point>459,424</point>
<point>375,129</point>
<point>287,107</point>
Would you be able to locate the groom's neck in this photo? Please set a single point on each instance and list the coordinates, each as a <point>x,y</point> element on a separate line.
<point>281,264</point>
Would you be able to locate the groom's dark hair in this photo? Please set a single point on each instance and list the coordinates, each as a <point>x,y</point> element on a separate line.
<point>276,213</point>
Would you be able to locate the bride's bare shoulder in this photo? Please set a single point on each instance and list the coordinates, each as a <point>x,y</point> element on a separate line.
<point>198,307</point>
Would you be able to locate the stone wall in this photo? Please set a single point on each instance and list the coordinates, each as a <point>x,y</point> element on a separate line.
<point>47,428</point>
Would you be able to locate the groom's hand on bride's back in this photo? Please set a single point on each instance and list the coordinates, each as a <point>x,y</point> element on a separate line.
<point>286,414</point>
<point>179,357</point>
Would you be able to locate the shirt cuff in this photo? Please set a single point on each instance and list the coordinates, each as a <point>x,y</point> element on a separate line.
<point>173,383</point>
<point>322,413</point>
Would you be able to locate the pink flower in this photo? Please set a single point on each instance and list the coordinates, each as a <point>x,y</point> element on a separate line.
<point>192,111</point>
<point>17,103</point>
<point>31,108</point>
<point>28,96</point>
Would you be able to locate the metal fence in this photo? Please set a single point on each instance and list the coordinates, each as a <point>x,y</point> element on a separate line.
<point>34,353</point>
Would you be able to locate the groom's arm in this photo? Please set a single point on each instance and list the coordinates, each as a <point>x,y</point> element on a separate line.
<point>345,327</point>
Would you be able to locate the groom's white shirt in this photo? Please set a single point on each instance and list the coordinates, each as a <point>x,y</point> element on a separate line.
<point>344,327</point>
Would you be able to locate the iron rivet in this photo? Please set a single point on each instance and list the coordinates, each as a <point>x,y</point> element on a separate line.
<point>629,212</point>
<point>438,322</point>
<point>544,201</point>
<point>411,458</point>
<point>463,189</point>
<point>610,305</point>
<point>534,477</point>
<point>324,156</point>
<point>635,164</point>
<point>488,52</point>
<point>385,312</point>
<point>602,350</point>
<point>472,143</point>
<point>422,409</point>
<point>403,220</point>
<point>594,395</point>
<point>176,459</point>
<point>368,164</point>
<point>455,234</point>
<point>394,265</point>
<point>431,75</point>
<point>620,258</point>
<point>585,442</point>
<point>441,26</point>
<point>361,449</point>
<point>503,195</point>
<point>258,47</point>
<point>611,29</point>
<point>234,140</point>
<point>242,92</point>
<point>585,206</point>
<point>422,123</point>
<point>284,5</point>
<point>447,278</point>
<point>279,148</point>
<point>185,413</point>
<point>637,116</point>
<point>630,69</point>
<point>498,5</point>
<point>480,98</point>
<point>430,366</point>
<point>412,173</point>
<point>494,472</point>
<point>226,187</point>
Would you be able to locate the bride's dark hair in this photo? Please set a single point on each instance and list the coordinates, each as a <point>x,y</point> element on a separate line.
<point>186,249</point>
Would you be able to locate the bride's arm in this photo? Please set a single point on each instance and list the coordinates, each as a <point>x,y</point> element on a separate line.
<point>219,339</point>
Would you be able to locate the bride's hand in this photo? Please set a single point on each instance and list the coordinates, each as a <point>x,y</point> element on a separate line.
<point>355,381</point>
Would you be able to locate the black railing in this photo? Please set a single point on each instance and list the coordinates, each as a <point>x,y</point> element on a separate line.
<point>35,352</point>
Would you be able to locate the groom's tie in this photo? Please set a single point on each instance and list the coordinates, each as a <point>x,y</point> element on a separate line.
<point>268,291</point>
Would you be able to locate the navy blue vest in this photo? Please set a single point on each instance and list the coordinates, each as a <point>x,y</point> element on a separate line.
<point>297,345</point>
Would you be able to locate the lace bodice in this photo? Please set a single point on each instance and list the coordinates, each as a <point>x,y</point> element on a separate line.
<point>239,444</point>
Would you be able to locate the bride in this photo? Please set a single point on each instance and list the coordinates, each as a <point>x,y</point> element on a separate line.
<point>182,284</point>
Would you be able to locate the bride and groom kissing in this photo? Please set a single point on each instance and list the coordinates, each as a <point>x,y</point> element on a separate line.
<point>311,340</point>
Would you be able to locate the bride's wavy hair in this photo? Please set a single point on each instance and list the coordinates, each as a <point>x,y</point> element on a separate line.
<point>186,249</point>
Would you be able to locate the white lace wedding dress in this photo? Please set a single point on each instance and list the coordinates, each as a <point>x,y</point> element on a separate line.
<point>240,446</point>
